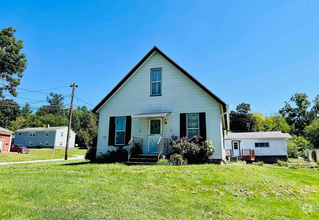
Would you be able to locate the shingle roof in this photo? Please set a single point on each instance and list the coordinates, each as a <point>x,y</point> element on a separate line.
<point>4,130</point>
<point>257,135</point>
<point>41,129</point>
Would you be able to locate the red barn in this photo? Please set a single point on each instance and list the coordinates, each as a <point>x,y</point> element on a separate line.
<point>5,139</point>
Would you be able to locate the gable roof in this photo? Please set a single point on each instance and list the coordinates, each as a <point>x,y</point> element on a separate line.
<point>39,129</point>
<point>257,135</point>
<point>155,49</point>
<point>4,130</point>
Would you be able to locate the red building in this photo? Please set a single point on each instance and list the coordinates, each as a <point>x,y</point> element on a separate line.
<point>5,139</point>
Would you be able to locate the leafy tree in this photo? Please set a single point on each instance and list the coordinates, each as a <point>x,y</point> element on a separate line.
<point>12,62</point>
<point>55,107</point>
<point>242,120</point>
<point>312,133</point>
<point>260,121</point>
<point>26,110</point>
<point>297,116</point>
<point>315,109</point>
<point>9,111</point>
<point>276,123</point>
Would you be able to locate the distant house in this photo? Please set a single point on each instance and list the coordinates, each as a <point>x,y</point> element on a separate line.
<point>268,146</point>
<point>155,100</point>
<point>5,139</point>
<point>44,137</point>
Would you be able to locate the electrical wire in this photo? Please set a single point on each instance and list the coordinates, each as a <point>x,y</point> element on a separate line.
<point>83,101</point>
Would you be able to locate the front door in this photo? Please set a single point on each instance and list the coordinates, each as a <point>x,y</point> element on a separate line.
<point>236,149</point>
<point>155,132</point>
<point>1,145</point>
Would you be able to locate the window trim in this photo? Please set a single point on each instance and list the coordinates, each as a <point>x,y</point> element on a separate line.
<point>42,142</point>
<point>30,143</point>
<point>124,131</point>
<point>192,128</point>
<point>46,134</point>
<point>61,133</point>
<point>46,143</point>
<point>19,133</point>
<point>157,68</point>
<point>149,126</point>
<point>61,143</point>
<point>266,143</point>
<point>32,134</point>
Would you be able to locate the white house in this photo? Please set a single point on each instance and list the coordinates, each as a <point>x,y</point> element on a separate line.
<point>155,100</point>
<point>268,146</point>
<point>44,137</point>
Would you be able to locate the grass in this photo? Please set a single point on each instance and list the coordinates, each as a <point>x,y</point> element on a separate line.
<point>67,190</point>
<point>39,154</point>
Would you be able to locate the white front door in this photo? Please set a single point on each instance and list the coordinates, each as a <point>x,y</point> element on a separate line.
<point>236,149</point>
<point>154,133</point>
<point>1,145</point>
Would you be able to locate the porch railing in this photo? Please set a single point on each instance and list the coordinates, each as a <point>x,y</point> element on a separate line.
<point>131,144</point>
<point>162,146</point>
<point>228,152</point>
<point>248,154</point>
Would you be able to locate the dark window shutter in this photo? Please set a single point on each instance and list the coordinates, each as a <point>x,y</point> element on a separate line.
<point>128,129</point>
<point>202,125</point>
<point>182,124</point>
<point>112,131</point>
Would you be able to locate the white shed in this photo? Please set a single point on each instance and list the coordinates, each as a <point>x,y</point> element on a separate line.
<point>268,146</point>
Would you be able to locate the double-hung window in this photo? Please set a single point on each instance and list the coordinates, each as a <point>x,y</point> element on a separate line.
<point>47,143</point>
<point>31,143</point>
<point>192,125</point>
<point>120,131</point>
<point>32,134</point>
<point>156,82</point>
<point>46,133</point>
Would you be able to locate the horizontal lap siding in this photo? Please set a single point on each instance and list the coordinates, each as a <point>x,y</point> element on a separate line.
<point>179,95</point>
<point>276,147</point>
<point>6,142</point>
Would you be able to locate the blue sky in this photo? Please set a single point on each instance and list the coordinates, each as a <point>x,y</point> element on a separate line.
<point>258,52</point>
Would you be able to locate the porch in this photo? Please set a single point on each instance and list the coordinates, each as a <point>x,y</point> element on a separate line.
<point>246,154</point>
<point>135,151</point>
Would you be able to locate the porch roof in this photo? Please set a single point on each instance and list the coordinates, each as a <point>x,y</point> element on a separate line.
<point>151,115</point>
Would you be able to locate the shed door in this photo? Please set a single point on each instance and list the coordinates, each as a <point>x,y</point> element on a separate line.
<point>236,148</point>
<point>1,145</point>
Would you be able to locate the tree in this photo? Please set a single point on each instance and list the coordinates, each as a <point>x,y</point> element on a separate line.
<point>12,62</point>
<point>276,123</point>
<point>9,111</point>
<point>312,133</point>
<point>26,110</point>
<point>260,121</point>
<point>242,120</point>
<point>297,117</point>
<point>55,107</point>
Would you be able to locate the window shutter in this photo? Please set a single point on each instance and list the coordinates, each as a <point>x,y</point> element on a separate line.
<point>128,129</point>
<point>182,128</point>
<point>112,131</point>
<point>202,125</point>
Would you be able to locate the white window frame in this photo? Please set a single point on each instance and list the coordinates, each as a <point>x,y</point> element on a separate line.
<point>47,143</point>
<point>30,143</point>
<point>47,134</point>
<point>192,128</point>
<point>32,134</point>
<point>154,82</point>
<point>62,134</point>
<point>61,143</point>
<point>42,142</point>
<point>120,144</point>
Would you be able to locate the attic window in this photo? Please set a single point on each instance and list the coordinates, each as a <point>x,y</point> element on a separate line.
<point>156,82</point>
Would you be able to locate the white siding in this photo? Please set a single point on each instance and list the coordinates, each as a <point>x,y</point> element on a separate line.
<point>59,138</point>
<point>276,147</point>
<point>179,95</point>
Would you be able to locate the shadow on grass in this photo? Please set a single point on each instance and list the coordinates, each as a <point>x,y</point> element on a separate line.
<point>75,164</point>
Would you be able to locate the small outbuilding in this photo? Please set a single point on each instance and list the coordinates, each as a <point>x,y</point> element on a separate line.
<point>267,146</point>
<point>5,140</point>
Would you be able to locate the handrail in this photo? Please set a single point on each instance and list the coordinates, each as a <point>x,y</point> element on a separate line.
<point>129,148</point>
<point>159,147</point>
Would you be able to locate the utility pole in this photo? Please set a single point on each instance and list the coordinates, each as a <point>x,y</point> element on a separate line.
<point>70,122</point>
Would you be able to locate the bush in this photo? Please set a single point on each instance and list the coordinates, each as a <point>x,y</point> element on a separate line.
<point>194,151</point>
<point>164,162</point>
<point>260,163</point>
<point>296,166</point>
<point>91,155</point>
<point>136,149</point>
<point>292,150</point>
<point>119,155</point>
<point>177,159</point>
<point>282,163</point>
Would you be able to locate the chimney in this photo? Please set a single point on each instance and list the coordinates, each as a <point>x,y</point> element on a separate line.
<point>47,126</point>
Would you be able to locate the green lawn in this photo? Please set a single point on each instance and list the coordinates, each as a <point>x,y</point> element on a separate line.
<point>66,190</point>
<point>39,154</point>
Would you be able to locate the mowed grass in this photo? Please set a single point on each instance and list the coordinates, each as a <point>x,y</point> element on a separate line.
<point>67,190</point>
<point>39,154</point>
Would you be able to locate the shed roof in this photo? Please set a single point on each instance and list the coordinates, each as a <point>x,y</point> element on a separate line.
<point>42,129</point>
<point>257,135</point>
<point>5,130</point>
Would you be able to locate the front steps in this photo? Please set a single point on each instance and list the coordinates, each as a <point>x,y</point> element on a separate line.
<point>143,159</point>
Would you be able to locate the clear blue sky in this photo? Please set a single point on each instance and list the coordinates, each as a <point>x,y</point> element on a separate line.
<point>258,52</point>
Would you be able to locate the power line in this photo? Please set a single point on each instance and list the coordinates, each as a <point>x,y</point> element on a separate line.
<point>83,101</point>
<point>40,91</point>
